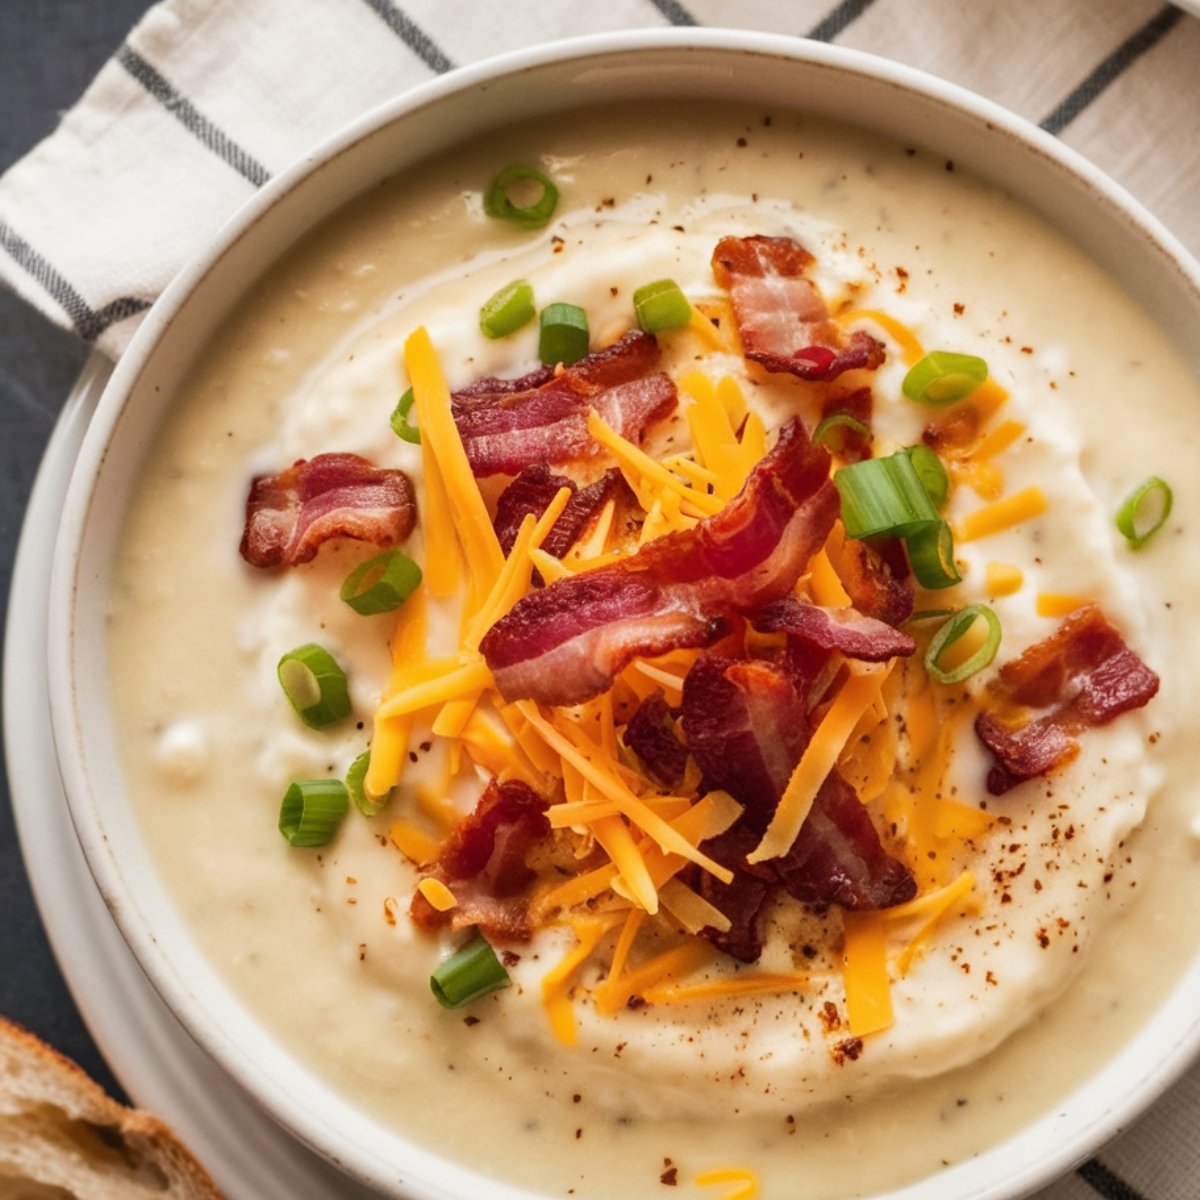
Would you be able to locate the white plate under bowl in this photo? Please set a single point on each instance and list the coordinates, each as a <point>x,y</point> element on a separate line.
<point>820,80</point>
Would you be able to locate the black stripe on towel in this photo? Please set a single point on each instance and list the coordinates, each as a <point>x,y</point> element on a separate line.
<point>1106,1183</point>
<point>89,323</point>
<point>190,117</point>
<point>1123,57</point>
<point>838,20</point>
<point>674,12</point>
<point>412,35</point>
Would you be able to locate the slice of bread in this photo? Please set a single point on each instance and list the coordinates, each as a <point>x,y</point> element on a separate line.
<point>63,1138</point>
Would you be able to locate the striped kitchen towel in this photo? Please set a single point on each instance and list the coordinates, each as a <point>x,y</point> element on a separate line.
<point>204,103</point>
<point>208,99</point>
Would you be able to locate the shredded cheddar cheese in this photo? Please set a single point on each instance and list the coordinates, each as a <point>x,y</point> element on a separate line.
<point>472,524</point>
<point>1003,514</point>
<point>743,1180</point>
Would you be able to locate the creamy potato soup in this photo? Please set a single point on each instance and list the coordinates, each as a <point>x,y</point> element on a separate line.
<point>1023,890</point>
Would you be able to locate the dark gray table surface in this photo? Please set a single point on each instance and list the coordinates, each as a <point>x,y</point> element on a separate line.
<point>49,51</point>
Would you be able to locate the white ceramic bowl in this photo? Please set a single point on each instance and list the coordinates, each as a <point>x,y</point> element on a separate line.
<point>813,78</point>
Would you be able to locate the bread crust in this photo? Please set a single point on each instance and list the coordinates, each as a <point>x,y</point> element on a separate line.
<point>60,1129</point>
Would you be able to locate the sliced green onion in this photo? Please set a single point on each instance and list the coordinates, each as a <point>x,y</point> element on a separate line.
<point>507,310</point>
<point>661,305</point>
<point>931,556</point>
<point>312,810</point>
<point>400,422</point>
<point>826,433</point>
<point>381,584</point>
<point>563,336</point>
<point>315,685</point>
<point>932,473</point>
<point>955,628</point>
<point>889,497</point>
<point>356,776</point>
<point>522,195</point>
<point>884,496</point>
<point>943,377</point>
<point>1145,511</point>
<point>469,973</point>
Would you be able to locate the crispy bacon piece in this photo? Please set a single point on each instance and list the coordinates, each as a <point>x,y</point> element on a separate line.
<point>1083,674</point>
<point>532,491</point>
<point>844,630</point>
<point>650,734</point>
<point>566,643</point>
<point>289,515</point>
<point>837,858</point>
<point>483,862</point>
<point>746,725</point>
<point>508,425</point>
<point>876,578</point>
<point>781,316</point>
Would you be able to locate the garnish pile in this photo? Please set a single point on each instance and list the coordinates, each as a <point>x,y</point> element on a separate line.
<point>699,679</point>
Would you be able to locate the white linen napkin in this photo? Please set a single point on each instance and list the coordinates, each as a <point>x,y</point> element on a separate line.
<point>207,99</point>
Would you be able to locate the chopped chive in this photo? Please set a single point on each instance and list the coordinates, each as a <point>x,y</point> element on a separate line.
<point>563,335</point>
<point>381,584</point>
<point>507,310</point>
<point>315,684</point>
<point>661,305</point>
<point>356,776</point>
<point>951,632</point>
<point>1145,511</point>
<point>401,426</point>
<point>311,811</point>
<point>469,973</point>
<point>522,195</point>
<point>943,377</point>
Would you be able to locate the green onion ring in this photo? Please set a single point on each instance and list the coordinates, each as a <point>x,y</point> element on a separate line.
<point>823,434</point>
<point>932,473</point>
<point>311,811</point>
<point>507,310</point>
<point>498,202</point>
<point>931,556</point>
<point>661,305</point>
<point>469,973</point>
<point>315,684</point>
<point>356,775</point>
<point>1132,516</point>
<point>950,632</point>
<point>943,377</point>
<point>563,334</point>
<point>401,426</point>
<point>381,584</point>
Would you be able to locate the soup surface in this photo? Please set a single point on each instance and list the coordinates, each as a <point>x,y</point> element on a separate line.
<point>1050,919</point>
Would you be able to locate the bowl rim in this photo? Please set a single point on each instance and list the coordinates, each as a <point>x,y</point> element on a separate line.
<point>336,1144</point>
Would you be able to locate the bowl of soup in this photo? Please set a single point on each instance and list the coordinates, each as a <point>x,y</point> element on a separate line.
<point>629,625</point>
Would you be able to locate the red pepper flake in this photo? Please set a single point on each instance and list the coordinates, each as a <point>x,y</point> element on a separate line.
<point>670,1175</point>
